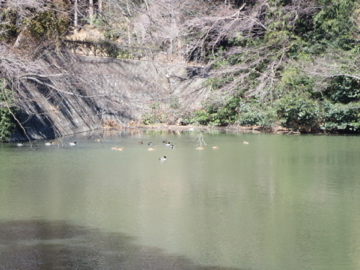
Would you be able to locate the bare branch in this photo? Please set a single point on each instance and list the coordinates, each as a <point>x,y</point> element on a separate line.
<point>334,64</point>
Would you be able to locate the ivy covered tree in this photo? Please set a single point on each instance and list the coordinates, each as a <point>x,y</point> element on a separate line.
<point>7,123</point>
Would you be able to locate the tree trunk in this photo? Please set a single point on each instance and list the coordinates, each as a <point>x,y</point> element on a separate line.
<point>75,15</point>
<point>91,11</point>
<point>100,6</point>
<point>21,36</point>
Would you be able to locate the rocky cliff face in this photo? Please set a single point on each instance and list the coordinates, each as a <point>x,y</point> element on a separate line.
<point>74,94</point>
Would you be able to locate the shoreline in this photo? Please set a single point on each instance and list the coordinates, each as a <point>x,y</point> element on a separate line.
<point>236,129</point>
<point>232,128</point>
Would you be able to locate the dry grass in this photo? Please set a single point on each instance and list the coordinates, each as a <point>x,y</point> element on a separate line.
<point>111,124</point>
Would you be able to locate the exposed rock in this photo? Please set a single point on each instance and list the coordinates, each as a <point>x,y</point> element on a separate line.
<point>80,93</point>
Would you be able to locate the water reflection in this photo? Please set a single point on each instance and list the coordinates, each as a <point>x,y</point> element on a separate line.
<point>279,202</point>
<point>41,244</point>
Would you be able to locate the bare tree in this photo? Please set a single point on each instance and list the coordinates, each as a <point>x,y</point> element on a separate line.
<point>333,63</point>
<point>91,11</point>
<point>100,6</point>
<point>75,15</point>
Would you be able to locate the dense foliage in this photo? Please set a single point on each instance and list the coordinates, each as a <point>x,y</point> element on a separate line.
<point>301,70</point>
<point>36,21</point>
<point>272,62</point>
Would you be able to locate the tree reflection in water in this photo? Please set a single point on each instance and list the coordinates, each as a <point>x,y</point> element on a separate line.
<point>41,244</point>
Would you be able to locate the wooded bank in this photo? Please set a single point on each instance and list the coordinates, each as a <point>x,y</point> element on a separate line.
<point>73,66</point>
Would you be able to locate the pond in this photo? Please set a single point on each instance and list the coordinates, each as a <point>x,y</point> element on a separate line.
<point>275,202</point>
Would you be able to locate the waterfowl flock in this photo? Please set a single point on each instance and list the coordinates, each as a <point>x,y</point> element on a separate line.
<point>151,147</point>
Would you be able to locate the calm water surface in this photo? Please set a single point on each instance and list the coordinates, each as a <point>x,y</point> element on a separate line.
<point>280,202</point>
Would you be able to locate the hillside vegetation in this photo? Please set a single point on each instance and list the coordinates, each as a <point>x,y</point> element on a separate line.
<point>267,63</point>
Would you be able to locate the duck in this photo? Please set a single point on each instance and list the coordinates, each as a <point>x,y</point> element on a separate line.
<point>163,158</point>
<point>117,148</point>
<point>215,147</point>
<point>97,140</point>
<point>20,144</point>
<point>152,149</point>
<point>49,143</point>
<point>172,146</point>
<point>150,143</point>
<point>141,142</point>
<point>200,148</point>
<point>245,142</point>
<point>72,143</point>
<point>165,141</point>
<point>167,144</point>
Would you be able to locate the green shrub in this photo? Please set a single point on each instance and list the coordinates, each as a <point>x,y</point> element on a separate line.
<point>216,83</point>
<point>8,28</point>
<point>226,113</point>
<point>294,79</point>
<point>343,90</point>
<point>332,23</point>
<point>174,102</point>
<point>255,113</point>
<point>49,24</point>
<point>340,117</point>
<point>298,111</point>
<point>149,119</point>
<point>156,115</point>
<point>201,117</point>
<point>234,111</point>
<point>111,48</point>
